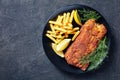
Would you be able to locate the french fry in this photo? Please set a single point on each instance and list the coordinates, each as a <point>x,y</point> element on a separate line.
<point>56,23</point>
<point>61,37</point>
<point>50,37</point>
<point>75,35</point>
<point>70,24</point>
<point>58,36</point>
<point>67,18</point>
<point>52,28</point>
<point>61,33</point>
<point>70,32</point>
<point>60,29</point>
<point>66,35</point>
<point>64,18</point>
<point>76,28</point>
<point>58,18</point>
<point>68,27</point>
<point>50,32</point>
<point>57,32</point>
<point>71,17</point>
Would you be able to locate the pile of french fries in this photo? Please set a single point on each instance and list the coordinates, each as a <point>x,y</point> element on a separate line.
<point>62,28</point>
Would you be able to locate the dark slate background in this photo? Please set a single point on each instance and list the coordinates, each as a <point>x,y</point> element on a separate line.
<point>21,53</point>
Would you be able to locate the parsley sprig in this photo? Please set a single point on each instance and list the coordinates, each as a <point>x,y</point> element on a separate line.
<point>87,14</point>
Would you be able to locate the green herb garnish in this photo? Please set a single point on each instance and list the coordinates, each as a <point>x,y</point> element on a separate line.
<point>97,56</point>
<point>87,14</point>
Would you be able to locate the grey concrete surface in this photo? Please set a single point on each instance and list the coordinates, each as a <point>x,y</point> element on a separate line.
<point>21,53</point>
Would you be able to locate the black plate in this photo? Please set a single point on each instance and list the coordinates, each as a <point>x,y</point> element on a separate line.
<point>55,59</point>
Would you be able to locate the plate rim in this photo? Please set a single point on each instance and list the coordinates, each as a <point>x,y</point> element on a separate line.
<point>61,10</point>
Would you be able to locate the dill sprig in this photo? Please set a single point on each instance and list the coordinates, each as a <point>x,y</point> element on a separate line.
<point>87,14</point>
<point>96,58</point>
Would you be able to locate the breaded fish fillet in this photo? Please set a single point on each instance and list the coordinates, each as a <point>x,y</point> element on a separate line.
<point>86,42</point>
